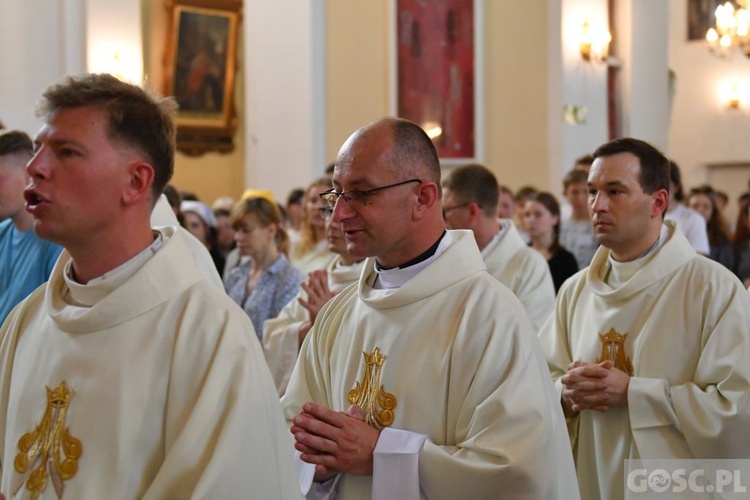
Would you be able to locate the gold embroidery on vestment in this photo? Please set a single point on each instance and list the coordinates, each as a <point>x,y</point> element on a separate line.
<point>46,445</point>
<point>613,348</point>
<point>377,404</point>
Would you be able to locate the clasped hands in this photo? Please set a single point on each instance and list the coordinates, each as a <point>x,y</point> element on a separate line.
<point>593,386</point>
<point>334,441</point>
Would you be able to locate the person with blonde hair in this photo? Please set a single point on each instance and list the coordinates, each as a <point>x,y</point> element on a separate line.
<point>266,282</point>
<point>312,252</point>
<point>283,335</point>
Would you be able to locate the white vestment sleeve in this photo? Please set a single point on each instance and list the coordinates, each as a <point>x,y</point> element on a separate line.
<point>281,346</point>
<point>395,471</point>
<point>649,403</point>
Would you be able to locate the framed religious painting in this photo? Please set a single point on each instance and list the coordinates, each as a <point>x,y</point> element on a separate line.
<point>436,72</point>
<point>700,17</point>
<point>200,68</point>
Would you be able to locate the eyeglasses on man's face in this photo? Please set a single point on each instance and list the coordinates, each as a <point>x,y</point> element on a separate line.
<point>447,210</point>
<point>356,197</point>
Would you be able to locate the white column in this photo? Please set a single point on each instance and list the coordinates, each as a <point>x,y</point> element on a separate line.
<point>31,57</point>
<point>643,47</point>
<point>284,43</point>
<point>73,36</point>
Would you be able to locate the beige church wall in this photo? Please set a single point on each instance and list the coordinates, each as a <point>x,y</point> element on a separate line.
<point>704,133</point>
<point>520,138</point>
<point>211,175</point>
<point>516,110</point>
<point>357,67</point>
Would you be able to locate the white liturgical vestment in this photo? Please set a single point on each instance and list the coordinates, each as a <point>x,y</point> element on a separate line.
<point>681,323</point>
<point>451,356</point>
<point>319,257</point>
<point>162,215</point>
<point>157,389</point>
<point>281,334</point>
<point>524,271</point>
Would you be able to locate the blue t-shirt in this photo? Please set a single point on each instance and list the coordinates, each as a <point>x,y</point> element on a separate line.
<point>26,262</point>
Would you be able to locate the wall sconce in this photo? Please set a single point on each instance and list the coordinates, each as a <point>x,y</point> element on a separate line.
<point>594,45</point>
<point>432,129</point>
<point>121,61</point>
<point>734,95</point>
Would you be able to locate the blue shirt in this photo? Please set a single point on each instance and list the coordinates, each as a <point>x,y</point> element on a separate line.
<point>276,288</point>
<point>26,262</point>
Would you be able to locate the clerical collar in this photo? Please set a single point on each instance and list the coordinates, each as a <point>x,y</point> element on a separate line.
<point>617,273</point>
<point>396,277</point>
<point>92,292</point>
<point>416,260</point>
<point>495,241</point>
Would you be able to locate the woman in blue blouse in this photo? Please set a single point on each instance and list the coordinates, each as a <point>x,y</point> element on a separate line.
<point>265,284</point>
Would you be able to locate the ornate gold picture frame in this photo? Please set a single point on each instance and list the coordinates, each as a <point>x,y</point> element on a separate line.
<point>200,67</point>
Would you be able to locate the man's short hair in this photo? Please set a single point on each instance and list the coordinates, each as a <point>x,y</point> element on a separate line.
<point>654,165</point>
<point>575,177</point>
<point>414,151</point>
<point>137,118</point>
<point>15,142</point>
<point>474,183</point>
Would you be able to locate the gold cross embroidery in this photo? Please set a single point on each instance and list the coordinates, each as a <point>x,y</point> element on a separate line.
<point>377,404</point>
<point>613,348</point>
<point>46,445</point>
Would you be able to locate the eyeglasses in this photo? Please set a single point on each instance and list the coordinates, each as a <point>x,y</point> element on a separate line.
<point>356,196</point>
<point>448,209</point>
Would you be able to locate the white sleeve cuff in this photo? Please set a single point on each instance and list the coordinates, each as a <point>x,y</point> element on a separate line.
<point>650,404</point>
<point>395,471</point>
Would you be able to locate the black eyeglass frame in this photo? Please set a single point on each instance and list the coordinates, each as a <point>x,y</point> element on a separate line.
<point>330,197</point>
<point>462,205</point>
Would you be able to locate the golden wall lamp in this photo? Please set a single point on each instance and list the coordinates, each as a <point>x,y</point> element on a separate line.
<point>594,45</point>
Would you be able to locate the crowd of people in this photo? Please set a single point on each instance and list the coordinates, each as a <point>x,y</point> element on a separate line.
<point>389,331</point>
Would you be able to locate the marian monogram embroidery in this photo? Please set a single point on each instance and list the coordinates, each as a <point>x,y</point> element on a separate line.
<point>613,348</point>
<point>377,404</point>
<point>50,448</point>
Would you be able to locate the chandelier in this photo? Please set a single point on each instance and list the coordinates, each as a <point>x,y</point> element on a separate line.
<point>732,29</point>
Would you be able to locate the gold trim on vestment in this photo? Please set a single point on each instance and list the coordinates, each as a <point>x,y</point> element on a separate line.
<point>613,348</point>
<point>377,404</point>
<point>46,445</point>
